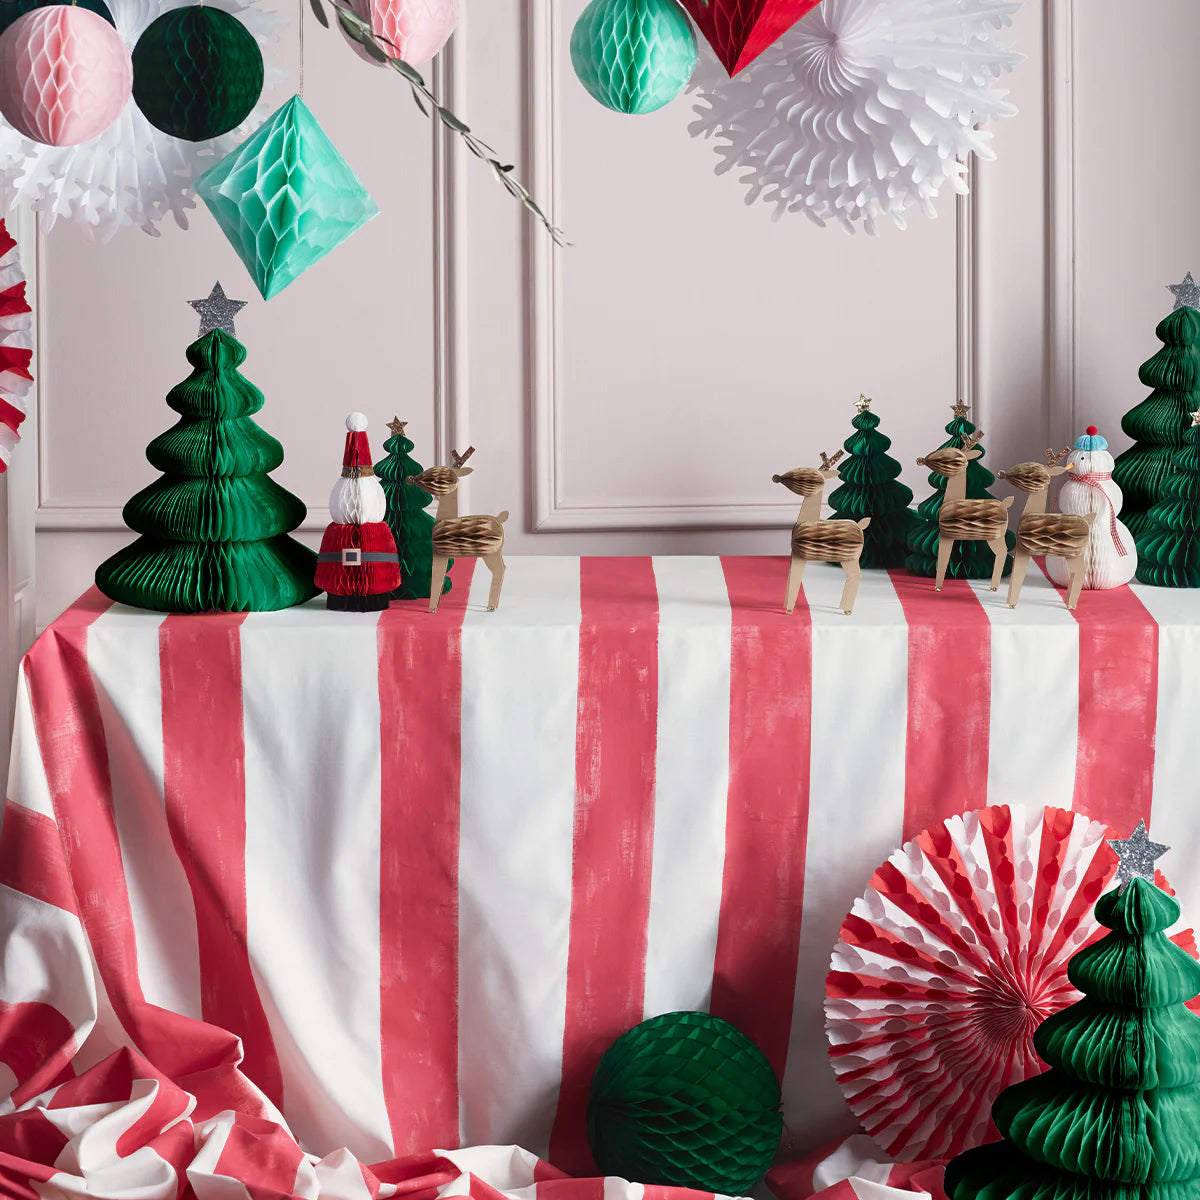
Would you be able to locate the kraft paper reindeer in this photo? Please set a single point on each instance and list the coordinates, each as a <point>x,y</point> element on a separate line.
<point>963,520</point>
<point>460,537</point>
<point>815,540</point>
<point>1043,533</point>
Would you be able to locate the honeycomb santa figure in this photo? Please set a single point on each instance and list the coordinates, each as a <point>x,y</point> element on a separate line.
<point>358,565</point>
<point>1110,559</point>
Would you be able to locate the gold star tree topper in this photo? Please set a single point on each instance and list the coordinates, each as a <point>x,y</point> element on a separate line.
<point>960,410</point>
<point>397,426</point>
<point>863,402</point>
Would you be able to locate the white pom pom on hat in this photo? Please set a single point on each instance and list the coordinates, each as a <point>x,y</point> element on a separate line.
<point>356,422</point>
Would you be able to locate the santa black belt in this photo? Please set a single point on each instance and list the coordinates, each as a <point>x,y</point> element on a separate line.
<point>350,557</point>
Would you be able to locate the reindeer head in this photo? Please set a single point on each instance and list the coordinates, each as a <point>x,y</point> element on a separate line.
<point>808,481</point>
<point>1033,477</point>
<point>950,460</point>
<point>442,481</point>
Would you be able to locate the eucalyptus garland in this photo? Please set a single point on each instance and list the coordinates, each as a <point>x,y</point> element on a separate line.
<point>361,32</point>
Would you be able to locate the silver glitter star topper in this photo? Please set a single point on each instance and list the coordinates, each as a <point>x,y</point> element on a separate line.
<point>1136,855</point>
<point>217,311</point>
<point>1187,293</point>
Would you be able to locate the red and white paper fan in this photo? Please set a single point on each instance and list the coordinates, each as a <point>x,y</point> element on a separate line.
<point>16,346</point>
<point>949,963</point>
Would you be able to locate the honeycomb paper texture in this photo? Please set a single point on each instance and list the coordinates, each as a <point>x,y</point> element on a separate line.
<point>1170,543</point>
<point>1116,1114</point>
<point>10,10</point>
<point>1160,422</point>
<point>214,526</point>
<point>65,75</point>
<point>16,346</point>
<point>285,198</point>
<point>197,73</point>
<point>414,30</point>
<point>685,1100</point>
<point>633,56</point>
<point>863,109</point>
<point>740,30</point>
<point>955,953</point>
<point>132,175</point>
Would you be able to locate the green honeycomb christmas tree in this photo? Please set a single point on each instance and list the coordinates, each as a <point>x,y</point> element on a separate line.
<point>1117,1115</point>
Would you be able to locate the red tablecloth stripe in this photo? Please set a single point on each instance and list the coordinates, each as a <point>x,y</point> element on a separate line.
<point>420,702</point>
<point>616,739</point>
<point>1118,708</point>
<point>70,732</point>
<point>766,823</point>
<point>31,858</point>
<point>949,700</point>
<point>200,664</point>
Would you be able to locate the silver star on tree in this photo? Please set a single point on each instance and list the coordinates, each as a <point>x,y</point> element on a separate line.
<point>217,311</point>
<point>1136,855</point>
<point>1187,293</point>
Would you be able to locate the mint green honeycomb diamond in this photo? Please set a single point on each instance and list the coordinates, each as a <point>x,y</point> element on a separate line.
<point>285,197</point>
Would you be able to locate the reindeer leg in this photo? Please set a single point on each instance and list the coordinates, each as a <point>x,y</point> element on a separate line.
<point>438,578</point>
<point>1000,550</point>
<point>850,591</point>
<point>945,546</point>
<point>1020,566</point>
<point>495,564</point>
<point>1076,565</point>
<point>795,578</point>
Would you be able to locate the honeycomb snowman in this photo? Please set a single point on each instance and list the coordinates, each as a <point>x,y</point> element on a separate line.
<point>1111,557</point>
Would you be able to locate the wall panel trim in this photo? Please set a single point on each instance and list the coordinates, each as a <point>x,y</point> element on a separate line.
<point>544,337</point>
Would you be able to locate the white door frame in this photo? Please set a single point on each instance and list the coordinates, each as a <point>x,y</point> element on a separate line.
<point>18,512</point>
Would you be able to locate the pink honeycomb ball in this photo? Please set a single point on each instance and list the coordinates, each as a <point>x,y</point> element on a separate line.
<point>65,75</point>
<point>417,29</point>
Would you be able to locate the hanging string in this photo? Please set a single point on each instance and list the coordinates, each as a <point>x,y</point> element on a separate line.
<point>302,7</point>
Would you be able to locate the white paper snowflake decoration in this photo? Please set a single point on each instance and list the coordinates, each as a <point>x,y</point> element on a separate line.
<point>132,174</point>
<point>863,109</point>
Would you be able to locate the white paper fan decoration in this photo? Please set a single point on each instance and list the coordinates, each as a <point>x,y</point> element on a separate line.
<point>863,108</point>
<point>132,174</point>
<point>950,961</point>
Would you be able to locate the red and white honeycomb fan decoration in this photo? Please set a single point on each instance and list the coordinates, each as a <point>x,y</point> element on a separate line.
<point>412,30</point>
<point>65,75</point>
<point>950,961</point>
<point>16,347</point>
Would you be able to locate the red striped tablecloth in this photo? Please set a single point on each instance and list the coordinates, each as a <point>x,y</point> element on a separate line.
<point>399,879</point>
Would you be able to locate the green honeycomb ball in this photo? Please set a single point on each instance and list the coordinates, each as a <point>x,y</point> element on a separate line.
<point>685,1100</point>
<point>633,56</point>
<point>197,73</point>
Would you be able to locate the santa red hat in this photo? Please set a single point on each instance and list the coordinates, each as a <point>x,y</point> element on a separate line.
<point>356,460</point>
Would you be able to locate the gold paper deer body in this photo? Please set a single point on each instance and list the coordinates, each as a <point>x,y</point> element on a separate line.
<point>815,540</point>
<point>963,520</point>
<point>1042,533</point>
<point>461,537</point>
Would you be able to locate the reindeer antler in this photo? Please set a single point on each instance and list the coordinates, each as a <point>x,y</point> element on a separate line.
<point>1054,459</point>
<point>827,464</point>
<point>971,441</point>
<point>459,459</point>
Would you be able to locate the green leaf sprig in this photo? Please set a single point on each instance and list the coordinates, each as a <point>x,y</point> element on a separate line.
<point>360,31</point>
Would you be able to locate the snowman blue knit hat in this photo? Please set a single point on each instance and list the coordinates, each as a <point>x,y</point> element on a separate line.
<point>1091,440</point>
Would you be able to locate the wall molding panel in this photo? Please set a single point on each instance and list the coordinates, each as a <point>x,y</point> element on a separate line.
<point>552,512</point>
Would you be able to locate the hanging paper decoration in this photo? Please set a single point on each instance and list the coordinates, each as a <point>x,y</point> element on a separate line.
<point>197,73</point>
<point>10,10</point>
<point>863,109</point>
<point>132,174</point>
<point>412,30</point>
<point>685,1100</point>
<point>65,75</point>
<point>951,960</point>
<point>633,56</point>
<point>740,30</point>
<point>16,346</point>
<point>285,198</point>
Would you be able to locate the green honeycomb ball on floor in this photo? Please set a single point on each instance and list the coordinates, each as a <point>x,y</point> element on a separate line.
<point>685,1100</point>
<point>197,73</point>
